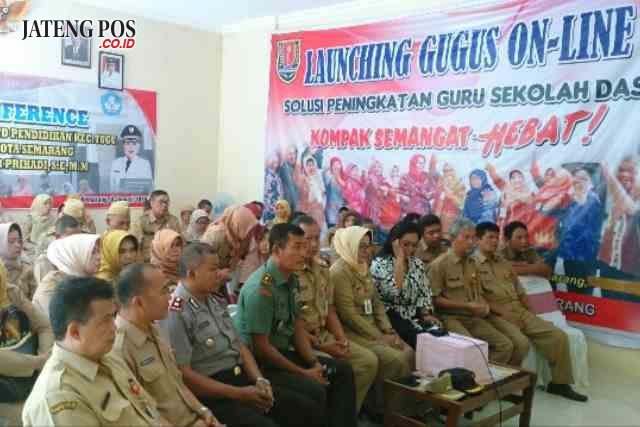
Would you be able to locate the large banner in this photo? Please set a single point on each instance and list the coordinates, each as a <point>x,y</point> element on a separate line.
<point>63,137</point>
<point>514,111</point>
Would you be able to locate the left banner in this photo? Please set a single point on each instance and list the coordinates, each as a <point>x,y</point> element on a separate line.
<point>64,137</point>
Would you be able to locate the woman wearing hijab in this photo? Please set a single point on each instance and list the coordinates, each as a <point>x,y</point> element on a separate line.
<point>19,272</point>
<point>451,197</point>
<point>516,202</point>
<point>38,221</point>
<point>580,230</point>
<point>76,255</point>
<point>481,202</point>
<point>282,210</point>
<point>313,194</point>
<point>402,283</point>
<point>553,194</point>
<point>273,188</point>
<point>185,215</point>
<point>166,248</point>
<point>25,342</point>
<point>334,182</point>
<point>118,249</point>
<point>362,312</point>
<point>231,236</point>
<point>354,188</point>
<point>197,225</point>
<point>418,187</point>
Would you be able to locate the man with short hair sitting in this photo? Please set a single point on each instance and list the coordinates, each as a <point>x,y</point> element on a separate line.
<point>215,364</point>
<point>81,384</point>
<point>143,293</point>
<point>512,317</point>
<point>268,319</point>
<point>523,258</point>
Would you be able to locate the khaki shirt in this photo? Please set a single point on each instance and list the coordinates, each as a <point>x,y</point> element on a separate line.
<point>44,293</point>
<point>499,282</point>
<point>44,241</point>
<point>41,267</point>
<point>146,227</point>
<point>72,390</point>
<point>358,303</point>
<point>16,364</point>
<point>529,255</point>
<point>21,275</point>
<point>152,362</point>
<point>456,279</point>
<point>314,298</point>
<point>427,254</point>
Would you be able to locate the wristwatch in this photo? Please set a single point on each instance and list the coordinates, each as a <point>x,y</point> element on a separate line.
<point>263,380</point>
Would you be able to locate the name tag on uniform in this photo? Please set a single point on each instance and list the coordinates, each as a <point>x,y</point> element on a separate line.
<point>147,361</point>
<point>368,306</point>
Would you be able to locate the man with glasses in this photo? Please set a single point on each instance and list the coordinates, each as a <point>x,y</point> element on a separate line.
<point>154,220</point>
<point>458,294</point>
<point>143,294</point>
<point>131,165</point>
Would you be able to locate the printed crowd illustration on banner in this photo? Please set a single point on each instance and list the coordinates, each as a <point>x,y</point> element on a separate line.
<point>62,137</point>
<point>511,112</point>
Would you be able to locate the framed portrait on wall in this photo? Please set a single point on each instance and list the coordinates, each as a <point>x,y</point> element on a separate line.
<point>110,71</point>
<point>76,52</point>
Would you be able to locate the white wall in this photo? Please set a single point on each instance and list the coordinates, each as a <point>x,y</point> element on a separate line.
<point>181,64</point>
<point>245,80</point>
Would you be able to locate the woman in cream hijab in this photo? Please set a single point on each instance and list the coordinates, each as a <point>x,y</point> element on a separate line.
<point>197,225</point>
<point>118,249</point>
<point>38,221</point>
<point>362,313</point>
<point>21,355</point>
<point>76,255</point>
<point>166,248</point>
<point>20,272</point>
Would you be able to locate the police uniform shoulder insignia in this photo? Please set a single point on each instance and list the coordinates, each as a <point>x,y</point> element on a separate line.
<point>267,280</point>
<point>176,303</point>
<point>62,406</point>
<point>194,304</point>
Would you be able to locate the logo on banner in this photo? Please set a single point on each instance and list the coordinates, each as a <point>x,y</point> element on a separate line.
<point>11,12</point>
<point>111,104</point>
<point>288,59</point>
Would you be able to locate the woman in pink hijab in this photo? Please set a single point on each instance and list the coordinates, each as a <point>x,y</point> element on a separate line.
<point>353,190</point>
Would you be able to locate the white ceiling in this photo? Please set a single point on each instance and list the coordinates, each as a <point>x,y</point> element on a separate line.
<point>208,14</point>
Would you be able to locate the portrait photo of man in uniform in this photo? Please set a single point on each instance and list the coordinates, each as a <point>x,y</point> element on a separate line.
<point>131,173</point>
<point>76,51</point>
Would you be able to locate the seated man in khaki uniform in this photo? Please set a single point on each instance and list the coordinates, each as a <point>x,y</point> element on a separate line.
<point>523,258</point>
<point>458,293</point>
<point>317,309</point>
<point>431,245</point>
<point>155,219</point>
<point>143,294</point>
<point>118,216</point>
<point>512,316</point>
<point>81,384</point>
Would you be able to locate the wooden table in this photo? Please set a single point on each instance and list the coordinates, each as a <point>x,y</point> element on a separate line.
<point>522,381</point>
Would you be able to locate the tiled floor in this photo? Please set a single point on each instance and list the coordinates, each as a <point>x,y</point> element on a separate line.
<point>614,395</point>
